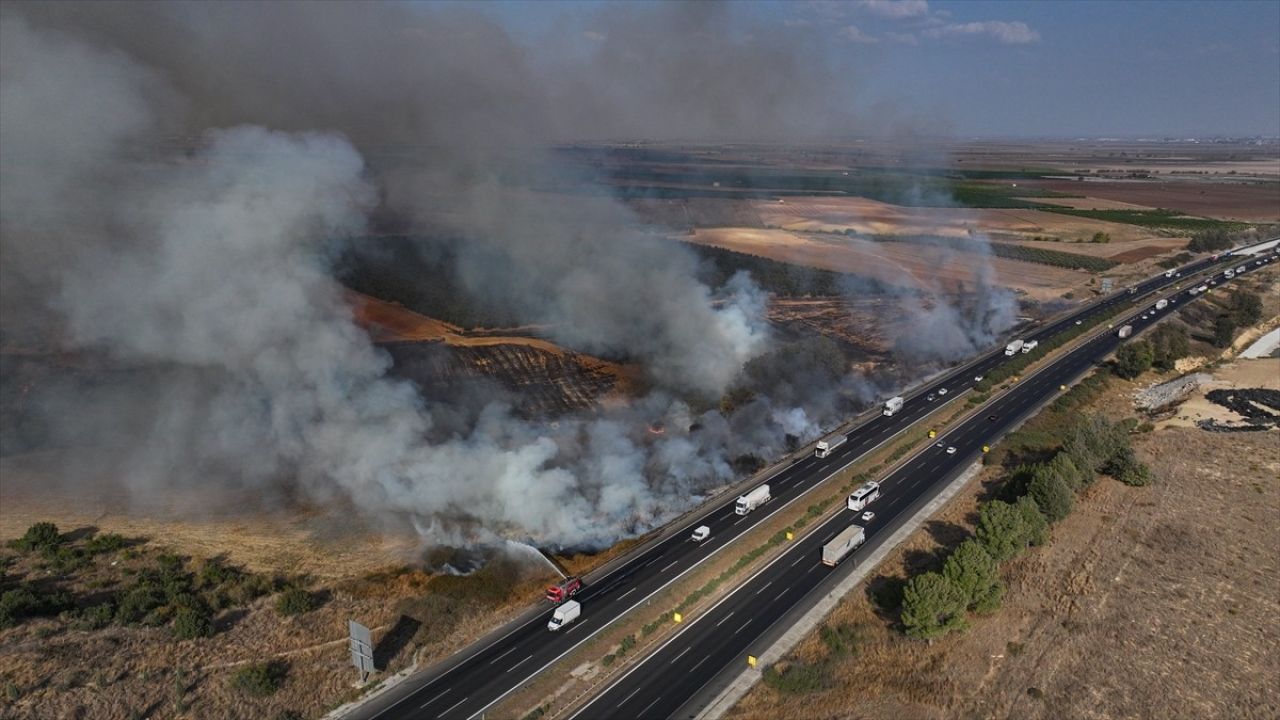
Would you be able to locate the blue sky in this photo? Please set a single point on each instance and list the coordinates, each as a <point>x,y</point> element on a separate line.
<point>1091,68</point>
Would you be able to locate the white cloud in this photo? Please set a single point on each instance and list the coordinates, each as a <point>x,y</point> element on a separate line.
<point>853,34</point>
<point>903,38</point>
<point>1009,33</point>
<point>796,22</point>
<point>895,9</point>
<point>594,35</point>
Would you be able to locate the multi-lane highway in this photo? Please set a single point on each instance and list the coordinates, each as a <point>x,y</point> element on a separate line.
<point>487,673</point>
<point>668,682</point>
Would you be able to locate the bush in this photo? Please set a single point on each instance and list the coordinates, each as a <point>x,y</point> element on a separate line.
<point>1005,530</point>
<point>841,640</point>
<point>96,617</point>
<point>1245,308</point>
<point>26,601</point>
<point>1126,468</point>
<point>260,679</point>
<point>295,601</point>
<point>110,542</point>
<point>1224,331</point>
<point>932,605</point>
<point>192,622</point>
<point>41,536</point>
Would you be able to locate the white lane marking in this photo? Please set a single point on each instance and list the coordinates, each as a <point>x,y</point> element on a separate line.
<point>437,697</point>
<point>513,667</point>
<point>646,707</point>
<point>797,561</point>
<point>624,594</point>
<point>695,667</point>
<point>668,567</point>
<point>513,649</point>
<point>744,517</point>
<point>575,627</point>
<point>682,652</point>
<point>745,624</point>
<point>726,617</point>
<point>446,712</point>
<point>625,699</point>
<point>765,586</point>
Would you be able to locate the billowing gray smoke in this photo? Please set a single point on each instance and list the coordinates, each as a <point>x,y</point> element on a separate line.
<point>211,269</point>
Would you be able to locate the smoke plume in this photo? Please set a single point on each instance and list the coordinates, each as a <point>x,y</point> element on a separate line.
<point>179,178</point>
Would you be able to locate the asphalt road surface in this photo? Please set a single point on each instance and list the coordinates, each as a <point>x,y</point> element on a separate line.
<point>485,673</point>
<point>668,681</point>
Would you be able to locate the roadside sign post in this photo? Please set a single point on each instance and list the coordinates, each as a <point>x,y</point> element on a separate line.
<point>751,660</point>
<point>361,648</point>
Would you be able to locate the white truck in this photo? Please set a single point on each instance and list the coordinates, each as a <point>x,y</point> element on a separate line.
<point>1168,274</point>
<point>1242,268</point>
<point>1162,304</point>
<point>1125,331</point>
<point>843,544</point>
<point>752,500</point>
<point>1029,346</point>
<point>1228,273</point>
<point>1013,347</point>
<point>893,405</point>
<point>829,443</point>
<point>564,615</point>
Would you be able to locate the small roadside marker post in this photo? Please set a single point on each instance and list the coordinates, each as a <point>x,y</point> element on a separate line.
<point>677,617</point>
<point>791,535</point>
<point>751,660</point>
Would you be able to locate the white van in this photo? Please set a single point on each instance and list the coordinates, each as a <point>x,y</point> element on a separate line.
<point>564,615</point>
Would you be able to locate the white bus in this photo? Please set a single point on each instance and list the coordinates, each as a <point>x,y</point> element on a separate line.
<point>864,496</point>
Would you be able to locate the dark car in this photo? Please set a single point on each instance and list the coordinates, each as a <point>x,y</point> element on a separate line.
<point>993,418</point>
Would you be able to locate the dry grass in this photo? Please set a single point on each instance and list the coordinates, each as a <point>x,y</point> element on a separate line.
<point>1226,201</point>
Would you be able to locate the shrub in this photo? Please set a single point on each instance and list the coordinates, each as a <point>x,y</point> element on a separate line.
<point>260,679</point>
<point>932,605</point>
<point>841,640</point>
<point>110,542</point>
<point>1001,530</point>
<point>1126,468</point>
<point>1224,330</point>
<point>96,617</point>
<point>796,678</point>
<point>1134,358</point>
<point>295,601</point>
<point>41,536</point>
<point>26,601</point>
<point>192,622</point>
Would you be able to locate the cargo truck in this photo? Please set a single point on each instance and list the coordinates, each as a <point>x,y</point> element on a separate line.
<point>1013,347</point>
<point>1241,269</point>
<point>1125,331</point>
<point>829,443</point>
<point>564,590</point>
<point>1028,347</point>
<point>893,405</point>
<point>843,544</point>
<point>1162,304</point>
<point>564,615</point>
<point>752,500</point>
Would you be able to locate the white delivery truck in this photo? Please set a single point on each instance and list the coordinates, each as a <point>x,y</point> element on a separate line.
<point>1013,347</point>
<point>1028,347</point>
<point>564,615</point>
<point>1125,331</point>
<point>1162,304</point>
<point>752,500</point>
<point>829,443</point>
<point>893,405</point>
<point>843,544</point>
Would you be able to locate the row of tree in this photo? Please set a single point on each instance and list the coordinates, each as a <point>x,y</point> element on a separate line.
<point>1037,495</point>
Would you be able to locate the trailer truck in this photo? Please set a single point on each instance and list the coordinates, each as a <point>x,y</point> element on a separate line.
<point>1013,347</point>
<point>893,405</point>
<point>829,443</point>
<point>1125,331</point>
<point>564,615</point>
<point>1029,346</point>
<point>752,500</point>
<point>841,545</point>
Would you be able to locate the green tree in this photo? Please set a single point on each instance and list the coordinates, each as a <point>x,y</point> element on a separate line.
<point>1001,530</point>
<point>931,606</point>
<point>1064,468</point>
<point>1051,494</point>
<point>1170,344</point>
<point>972,569</point>
<point>192,622</point>
<point>1245,308</point>
<point>1224,330</point>
<point>1035,529</point>
<point>1128,469</point>
<point>1133,359</point>
<point>1091,442</point>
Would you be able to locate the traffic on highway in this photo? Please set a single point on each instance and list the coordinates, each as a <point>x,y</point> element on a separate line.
<point>472,682</point>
